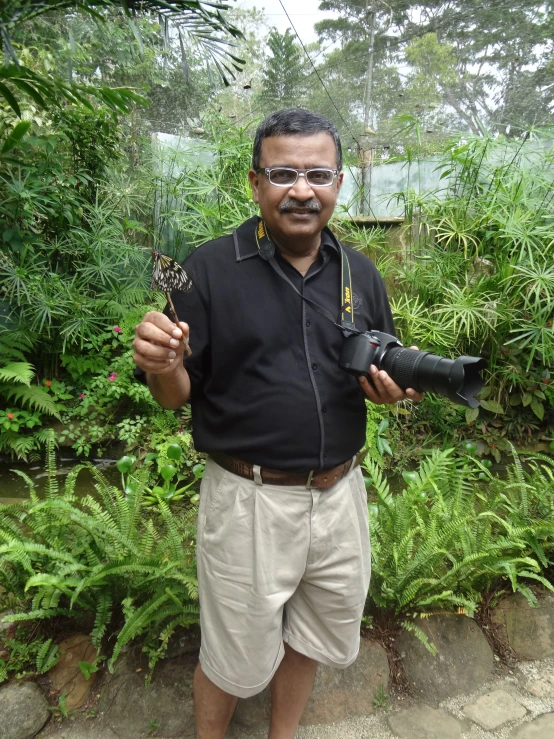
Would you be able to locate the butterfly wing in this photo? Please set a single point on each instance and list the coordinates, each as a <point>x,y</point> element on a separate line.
<point>168,275</point>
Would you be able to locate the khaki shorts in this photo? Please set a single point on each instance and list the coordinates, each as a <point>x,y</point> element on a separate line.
<point>279,564</point>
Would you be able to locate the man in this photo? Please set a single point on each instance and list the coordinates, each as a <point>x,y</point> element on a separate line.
<point>283,543</point>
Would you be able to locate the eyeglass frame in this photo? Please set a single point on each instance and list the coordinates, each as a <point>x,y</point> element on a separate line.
<point>299,173</point>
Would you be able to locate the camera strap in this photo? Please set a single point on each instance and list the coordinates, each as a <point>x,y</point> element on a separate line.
<point>345,320</point>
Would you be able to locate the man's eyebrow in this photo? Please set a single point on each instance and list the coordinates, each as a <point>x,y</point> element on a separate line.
<point>290,166</point>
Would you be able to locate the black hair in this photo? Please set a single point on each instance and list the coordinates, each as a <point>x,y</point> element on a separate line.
<point>294,121</point>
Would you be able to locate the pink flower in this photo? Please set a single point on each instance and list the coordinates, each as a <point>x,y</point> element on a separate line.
<point>82,395</point>
<point>117,329</point>
<point>112,377</point>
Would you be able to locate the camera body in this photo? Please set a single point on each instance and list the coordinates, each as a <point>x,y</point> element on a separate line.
<point>360,351</point>
<point>459,379</point>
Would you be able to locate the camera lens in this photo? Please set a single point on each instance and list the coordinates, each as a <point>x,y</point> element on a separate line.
<point>459,379</point>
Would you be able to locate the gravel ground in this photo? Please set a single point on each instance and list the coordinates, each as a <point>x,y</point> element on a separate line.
<point>376,727</point>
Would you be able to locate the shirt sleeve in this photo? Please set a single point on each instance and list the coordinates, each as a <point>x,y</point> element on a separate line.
<point>191,307</point>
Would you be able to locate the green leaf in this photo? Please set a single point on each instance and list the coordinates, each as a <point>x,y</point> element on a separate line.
<point>17,372</point>
<point>492,405</point>
<point>410,477</point>
<point>527,398</point>
<point>30,90</point>
<point>10,99</point>
<point>15,136</point>
<point>167,472</point>
<point>125,464</point>
<point>174,452</point>
<point>471,414</point>
<point>198,470</point>
<point>88,668</point>
<point>470,447</point>
<point>538,408</point>
<point>485,392</point>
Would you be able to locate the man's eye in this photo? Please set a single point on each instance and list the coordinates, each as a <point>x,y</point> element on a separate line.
<point>320,176</point>
<point>282,175</point>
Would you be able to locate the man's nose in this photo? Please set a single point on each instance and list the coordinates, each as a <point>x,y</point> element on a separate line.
<point>301,190</point>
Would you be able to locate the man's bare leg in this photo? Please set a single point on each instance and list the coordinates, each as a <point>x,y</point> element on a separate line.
<point>290,689</point>
<point>213,707</point>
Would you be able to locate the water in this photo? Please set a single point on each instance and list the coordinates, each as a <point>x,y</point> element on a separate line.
<point>14,488</point>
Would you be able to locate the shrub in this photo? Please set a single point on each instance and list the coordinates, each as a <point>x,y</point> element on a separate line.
<point>449,537</point>
<point>101,555</point>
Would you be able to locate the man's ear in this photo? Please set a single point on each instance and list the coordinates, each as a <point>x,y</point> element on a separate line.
<point>340,178</point>
<point>254,183</point>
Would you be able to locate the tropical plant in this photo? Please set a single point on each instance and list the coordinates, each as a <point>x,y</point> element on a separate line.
<point>449,537</point>
<point>199,192</point>
<point>26,653</point>
<point>477,278</point>
<point>100,555</point>
<point>22,434</point>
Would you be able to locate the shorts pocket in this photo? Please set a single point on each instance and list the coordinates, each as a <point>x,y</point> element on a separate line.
<point>211,486</point>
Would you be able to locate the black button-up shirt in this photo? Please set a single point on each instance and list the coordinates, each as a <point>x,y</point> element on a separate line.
<point>266,386</point>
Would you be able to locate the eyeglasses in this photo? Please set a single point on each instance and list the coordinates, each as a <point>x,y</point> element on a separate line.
<point>287,177</point>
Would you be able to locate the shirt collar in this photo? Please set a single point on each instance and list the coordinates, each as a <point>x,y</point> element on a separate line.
<point>245,240</point>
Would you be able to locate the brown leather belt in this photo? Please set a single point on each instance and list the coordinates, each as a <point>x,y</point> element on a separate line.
<point>321,479</point>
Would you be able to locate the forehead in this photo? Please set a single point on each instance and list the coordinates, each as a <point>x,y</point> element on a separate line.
<point>298,150</point>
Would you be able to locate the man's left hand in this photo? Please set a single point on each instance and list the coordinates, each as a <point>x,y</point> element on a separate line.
<point>384,390</point>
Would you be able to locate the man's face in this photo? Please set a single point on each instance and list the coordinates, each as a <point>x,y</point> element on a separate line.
<point>300,211</point>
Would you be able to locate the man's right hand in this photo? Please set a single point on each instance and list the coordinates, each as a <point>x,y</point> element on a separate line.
<point>158,344</point>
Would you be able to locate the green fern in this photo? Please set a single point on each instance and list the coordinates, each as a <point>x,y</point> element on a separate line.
<point>446,548</point>
<point>100,554</point>
<point>21,372</point>
<point>33,397</point>
<point>47,657</point>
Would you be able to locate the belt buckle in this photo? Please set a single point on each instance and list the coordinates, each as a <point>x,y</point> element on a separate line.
<point>309,480</point>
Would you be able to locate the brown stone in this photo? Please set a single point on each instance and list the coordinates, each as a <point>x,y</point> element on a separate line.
<point>338,694</point>
<point>67,676</point>
<point>418,722</point>
<point>494,709</point>
<point>464,661</point>
<point>540,728</point>
<point>128,708</point>
<point>528,631</point>
<point>543,688</point>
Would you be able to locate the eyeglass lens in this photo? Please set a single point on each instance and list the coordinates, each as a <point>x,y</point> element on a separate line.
<point>314,177</point>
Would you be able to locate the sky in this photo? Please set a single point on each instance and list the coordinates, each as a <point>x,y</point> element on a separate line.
<point>303,13</point>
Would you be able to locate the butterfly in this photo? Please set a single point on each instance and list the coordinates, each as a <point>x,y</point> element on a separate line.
<point>168,274</point>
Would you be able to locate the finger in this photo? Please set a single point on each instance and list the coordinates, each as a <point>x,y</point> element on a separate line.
<point>386,387</point>
<point>370,392</point>
<point>149,331</point>
<point>157,366</point>
<point>414,395</point>
<point>160,320</point>
<point>185,330</point>
<point>151,351</point>
<point>414,347</point>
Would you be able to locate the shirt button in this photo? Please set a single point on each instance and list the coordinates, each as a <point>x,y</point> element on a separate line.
<point>324,409</point>
<point>314,366</point>
<point>308,324</point>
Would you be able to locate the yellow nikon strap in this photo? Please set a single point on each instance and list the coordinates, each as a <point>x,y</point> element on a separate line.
<point>346,312</point>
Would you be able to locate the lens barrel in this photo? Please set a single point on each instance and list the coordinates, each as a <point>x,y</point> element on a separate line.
<point>459,379</point>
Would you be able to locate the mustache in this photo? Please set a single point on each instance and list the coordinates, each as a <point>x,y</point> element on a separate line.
<point>291,204</point>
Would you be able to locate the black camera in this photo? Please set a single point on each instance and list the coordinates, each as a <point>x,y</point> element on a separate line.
<point>459,379</point>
